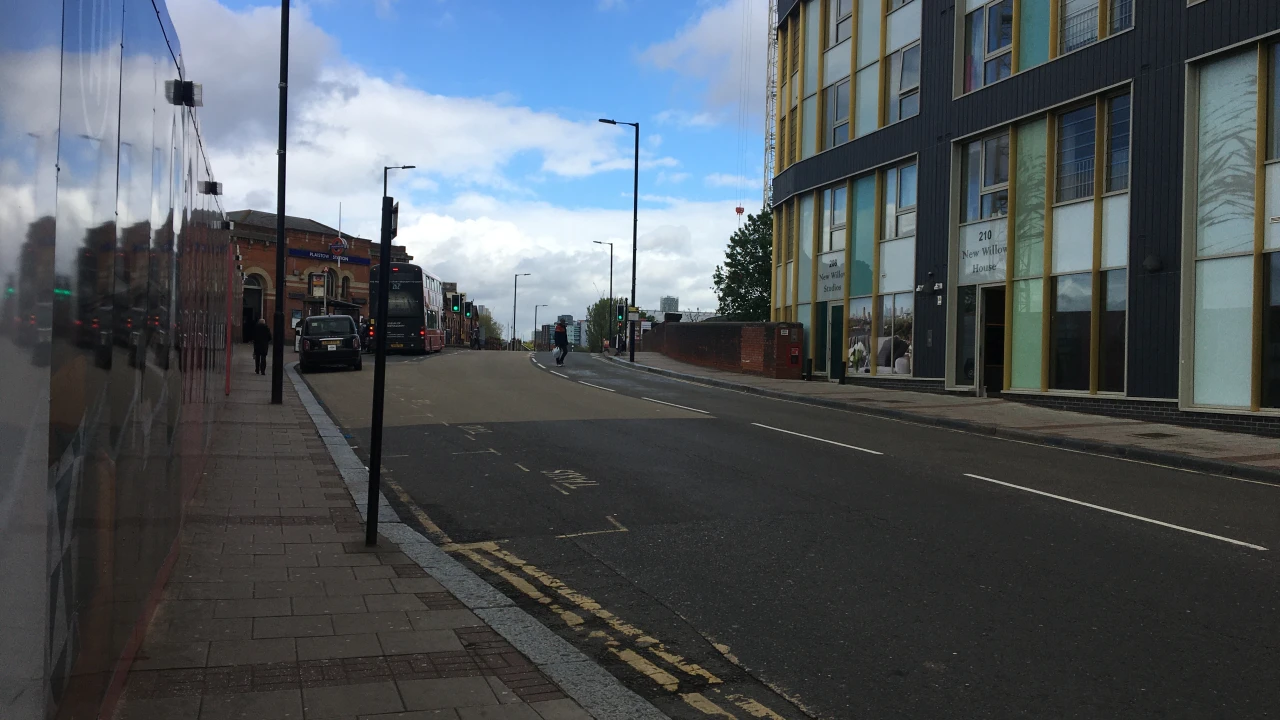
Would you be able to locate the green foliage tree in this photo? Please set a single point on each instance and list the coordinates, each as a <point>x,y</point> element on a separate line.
<point>491,327</point>
<point>742,283</point>
<point>600,322</point>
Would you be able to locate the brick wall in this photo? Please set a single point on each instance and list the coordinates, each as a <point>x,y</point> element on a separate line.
<point>752,348</point>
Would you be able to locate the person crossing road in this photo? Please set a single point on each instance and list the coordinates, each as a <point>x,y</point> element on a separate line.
<point>562,343</point>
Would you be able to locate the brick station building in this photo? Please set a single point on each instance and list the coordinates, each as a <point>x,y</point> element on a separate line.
<point>309,259</point>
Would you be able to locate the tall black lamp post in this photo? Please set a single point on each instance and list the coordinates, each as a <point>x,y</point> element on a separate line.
<point>380,357</point>
<point>635,218</point>
<point>515,294</point>
<point>277,351</point>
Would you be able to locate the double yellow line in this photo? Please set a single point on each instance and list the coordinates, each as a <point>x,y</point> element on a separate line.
<point>641,651</point>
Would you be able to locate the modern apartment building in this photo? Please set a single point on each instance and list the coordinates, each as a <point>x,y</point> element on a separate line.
<point>668,303</point>
<point>1074,202</point>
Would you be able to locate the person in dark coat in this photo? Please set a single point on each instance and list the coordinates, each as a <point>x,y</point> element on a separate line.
<point>261,343</point>
<point>562,343</point>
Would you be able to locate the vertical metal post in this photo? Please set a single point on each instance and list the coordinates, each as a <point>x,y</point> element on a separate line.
<point>277,351</point>
<point>231,286</point>
<point>379,371</point>
<point>515,290</point>
<point>635,219</point>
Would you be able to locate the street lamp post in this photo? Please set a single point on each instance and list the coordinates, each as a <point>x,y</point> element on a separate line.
<point>379,362</point>
<point>515,295</point>
<point>635,220</point>
<point>535,326</point>
<point>277,351</point>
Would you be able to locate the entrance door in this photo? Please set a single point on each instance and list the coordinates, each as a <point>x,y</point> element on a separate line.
<point>820,339</point>
<point>835,337</point>
<point>992,349</point>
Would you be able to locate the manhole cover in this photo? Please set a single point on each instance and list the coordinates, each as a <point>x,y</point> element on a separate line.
<point>1154,435</point>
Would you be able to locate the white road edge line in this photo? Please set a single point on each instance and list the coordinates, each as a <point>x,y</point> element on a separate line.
<point>682,407</point>
<point>1117,512</point>
<point>598,387</point>
<point>831,442</point>
<point>566,377</point>
<point>535,362</point>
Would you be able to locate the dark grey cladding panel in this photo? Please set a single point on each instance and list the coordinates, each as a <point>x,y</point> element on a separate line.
<point>784,8</point>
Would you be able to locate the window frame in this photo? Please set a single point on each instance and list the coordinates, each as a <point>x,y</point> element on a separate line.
<point>831,122</point>
<point>1058,116</point>
<point>990,55</point>
<point>894,97</point>
<point>1108,146</point>
<point>983,189</point>
<point>834,22</point>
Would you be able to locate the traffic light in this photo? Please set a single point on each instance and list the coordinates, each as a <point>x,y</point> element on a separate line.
<point>453,302</point>
<point>468,310</point>
<point>622,312</point>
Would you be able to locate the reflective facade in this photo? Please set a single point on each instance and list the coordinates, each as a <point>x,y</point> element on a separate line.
<point>116,282</point>
<point>1073,202</point>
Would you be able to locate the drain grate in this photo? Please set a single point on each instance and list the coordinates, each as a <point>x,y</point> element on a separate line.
<point>1154,435</point>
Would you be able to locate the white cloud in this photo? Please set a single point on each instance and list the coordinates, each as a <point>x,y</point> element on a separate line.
<point>723,49</point>
<point>674,178</point>
<point>606,5</point>
<point>731,181</point>
<point>467,214</point>
<point>685,119</point>
<point>481,242</point>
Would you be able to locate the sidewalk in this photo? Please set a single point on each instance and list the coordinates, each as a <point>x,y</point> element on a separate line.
<point>276,609</point>
<point>1212,451</point>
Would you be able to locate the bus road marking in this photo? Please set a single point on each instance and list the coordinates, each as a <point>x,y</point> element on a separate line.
<point>563,480</point>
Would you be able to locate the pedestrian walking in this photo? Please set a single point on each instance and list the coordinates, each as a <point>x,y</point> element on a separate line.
<point>261,343</point>
<point>562,343</point>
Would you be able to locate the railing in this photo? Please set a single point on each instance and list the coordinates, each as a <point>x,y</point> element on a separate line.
<point>1080,28</point>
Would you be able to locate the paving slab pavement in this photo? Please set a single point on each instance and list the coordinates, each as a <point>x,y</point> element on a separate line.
<point>276,609</point>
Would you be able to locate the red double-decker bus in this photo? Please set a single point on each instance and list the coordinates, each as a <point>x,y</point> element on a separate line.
<point>415,307</point>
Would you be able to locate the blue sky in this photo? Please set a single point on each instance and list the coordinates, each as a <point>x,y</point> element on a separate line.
<point>496,102</point>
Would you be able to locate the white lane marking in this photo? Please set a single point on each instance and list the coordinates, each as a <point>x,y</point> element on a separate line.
<point>522,467</point>
<point>831,442</point>
<point>535,362</point>
<point>598,387</point>
<point>682,407</point>
<point>566,377</point>
<point>1116,512</point>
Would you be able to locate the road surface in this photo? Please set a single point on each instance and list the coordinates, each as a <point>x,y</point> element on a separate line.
<point>724,553</point>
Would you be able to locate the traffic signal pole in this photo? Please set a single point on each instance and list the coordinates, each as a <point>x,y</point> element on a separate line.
<point>379,374</point>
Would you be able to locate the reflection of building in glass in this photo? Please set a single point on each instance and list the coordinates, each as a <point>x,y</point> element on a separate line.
<point>112,343</point>
<point>1013,257</point>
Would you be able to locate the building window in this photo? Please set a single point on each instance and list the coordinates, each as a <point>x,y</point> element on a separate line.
<point>1271,331</point>
<point>903,86</point>
<point>1075,154</point>
<point>840,23</point>
<point>1111,337</point>
<point>988,44</point>
<point>893,356</point>
<point>1121,15</point>
<point>834,209</point>
<point>1069,332</point>
<point>1273,114</point>
<point>985,174</point>
<point>837,102</point>
<point>1079,24</point>
<point>346,288</point>
<point>900,202</point>
<point>1118,143</point>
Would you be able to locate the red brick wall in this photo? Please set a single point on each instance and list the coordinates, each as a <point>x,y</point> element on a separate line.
<point>752,348</point>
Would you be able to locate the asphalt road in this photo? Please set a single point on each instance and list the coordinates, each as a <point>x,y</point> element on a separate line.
<point>763,558</point>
